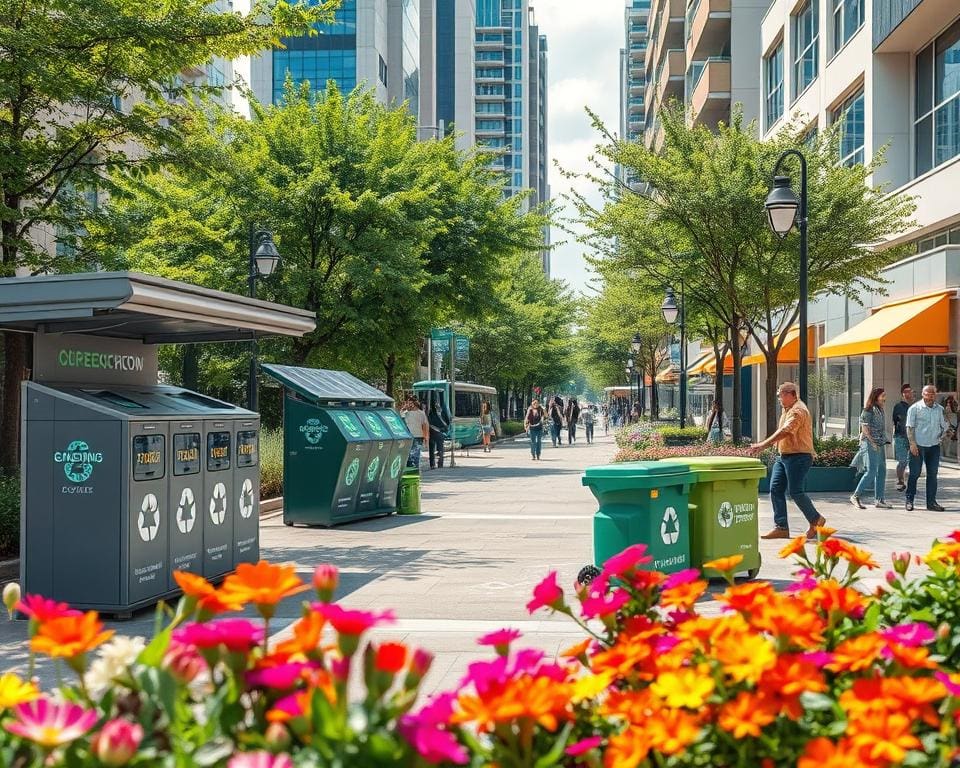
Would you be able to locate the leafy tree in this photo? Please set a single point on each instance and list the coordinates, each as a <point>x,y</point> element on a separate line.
<point>89,86</point>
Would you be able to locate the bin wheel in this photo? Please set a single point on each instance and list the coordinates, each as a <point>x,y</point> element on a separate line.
<point>752,573</point>
<point>289,525</point>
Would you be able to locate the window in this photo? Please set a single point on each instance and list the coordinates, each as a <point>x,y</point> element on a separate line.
<point>490,107</point>
<point>773,85</point>
<point>810,137</point>
<point>806,40</point>
<point>850,116</point>
<point>497,73</point>
<point>383,70</point>
<point>937,117</point>
<point>489,125</point>
<point>489,55</point>
<point>847,19</point>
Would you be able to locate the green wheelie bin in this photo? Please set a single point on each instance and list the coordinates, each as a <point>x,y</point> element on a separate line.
<point>408,493</point>
<point>724,522</point>
<point>642,502</point>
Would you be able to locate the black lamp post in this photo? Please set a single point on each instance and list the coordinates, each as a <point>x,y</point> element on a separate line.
<point>630,367</point>
<point>783,211</point>
<point>635,343</point>
<point>264,258</point>
<point>672,312</point>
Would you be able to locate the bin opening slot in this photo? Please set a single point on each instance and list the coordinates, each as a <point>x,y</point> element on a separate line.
<point>218,451</point>
<point>247,448</point>
<point>114,399</point>
<point>186,453</point>
<point>148,457</point>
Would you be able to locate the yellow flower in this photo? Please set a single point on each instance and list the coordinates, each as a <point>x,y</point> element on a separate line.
<point>684,688</point>
<point>15,691</point>
<point>745,656</point>
<point>590,686</point>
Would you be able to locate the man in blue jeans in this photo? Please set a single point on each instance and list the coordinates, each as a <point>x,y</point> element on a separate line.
<point>794,439</point>
<point>926,425</point>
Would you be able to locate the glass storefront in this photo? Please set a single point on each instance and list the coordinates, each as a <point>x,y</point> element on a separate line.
<point>941,371</point>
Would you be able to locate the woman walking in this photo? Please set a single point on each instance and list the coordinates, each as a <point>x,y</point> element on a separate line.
<point>952,411</point>
<point>873,440</point>
<point>556,421</point>
<point>572,415</point>
<point>533,425</point>
<point>486,424</point>
<point>714,423</point>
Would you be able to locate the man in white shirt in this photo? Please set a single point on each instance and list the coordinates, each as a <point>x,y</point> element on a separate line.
<point>926,425</point>
<point>418,426</point>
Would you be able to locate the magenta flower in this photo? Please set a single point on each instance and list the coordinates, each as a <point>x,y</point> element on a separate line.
<point>281,677</point>
<point>953,688</point>
<point>289,705</point>
<point>351,622</point>
<point>547,594</point>
<point>631,558</point>
<point>604,605</point>
<point>584,745</point>
<point>51,724</point>
<point>424,730</point>
<point>43,609</point>
<point>910,635</point>
<point>818,658</point>
<point>681,577</point>
<point>499,638</point>
<point>117,742</point>
<point>237,635</point>
<point>259,759</point>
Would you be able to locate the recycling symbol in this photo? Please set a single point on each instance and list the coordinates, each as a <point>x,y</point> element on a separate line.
<point>148,521</point>
<point>670,526</point>
<point>395,467</point>
<point>186,511</point>
<point>218,504</point>
<point>353,469</point>
<point>372,469</point>
<point>246,499</point>
<point>725,514</point>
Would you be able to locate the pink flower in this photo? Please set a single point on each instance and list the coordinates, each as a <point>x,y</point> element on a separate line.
<point>665,643</point>
<point>818,658</point>
<point>289,705</point>
<point>350,622</point>
<point>424,731</point>
<point>681,577</point>
<point>183,662</point>
<point>952,685</point>
<point>237,635</point>
<point>547,594</point>
<point>49,723</point>
<point>325,580</point>
<point>259,759</point>
<point>117,742</point>
<point>500,638</point>
<point>632,557</point>
<point>42,609</point>
<point>584,745</point>
<point>604,605</point>
<point>910,635</point>
<point>281,677</point>
<point>421,662</point>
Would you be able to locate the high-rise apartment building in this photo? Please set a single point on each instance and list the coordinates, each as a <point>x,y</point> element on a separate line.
<point>455,71</point>
<point>537,125</point>
<point>632,75</point>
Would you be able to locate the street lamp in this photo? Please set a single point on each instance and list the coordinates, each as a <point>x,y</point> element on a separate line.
<point>630,366</point>
<point>672,312</point>
<point>783,211</point>
<point>635,344</point>
<point>264,260</point>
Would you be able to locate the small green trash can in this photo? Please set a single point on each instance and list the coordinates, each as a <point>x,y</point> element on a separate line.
<point>408,500</point>
<point>642,502</point>
<point>726,499</point>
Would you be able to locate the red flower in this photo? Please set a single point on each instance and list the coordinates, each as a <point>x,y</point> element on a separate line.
<point>547,594</point>
<point>350,622</point>
<point>628,560</point>
<point>234,634</point>
<point>42,609</point>
<point>391,657</point>
<point>499,637</point>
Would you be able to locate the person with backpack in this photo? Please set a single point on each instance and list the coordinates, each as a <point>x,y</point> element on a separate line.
<point>556,420</point>
<point>588,417</point>
<point>572,414</point>
<point>533,426</point>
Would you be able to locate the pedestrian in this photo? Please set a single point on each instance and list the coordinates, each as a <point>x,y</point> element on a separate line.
<point>873,443</point>
<point>533,426</point>
<point>572,415</point>
<point>714,423</point>
<point>901,446</point>
<point>794,440</point>
<point>951,411</point>
<point>438,431</point>
<point>926,425</point>
<point>486,425</point>
<point>588,417</point>
<point>605,418</point>
<point>635,413</point>
<point>418,426</point>
<point>556,420</point>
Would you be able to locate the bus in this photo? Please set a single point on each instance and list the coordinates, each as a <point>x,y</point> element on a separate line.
<point>467,399</point>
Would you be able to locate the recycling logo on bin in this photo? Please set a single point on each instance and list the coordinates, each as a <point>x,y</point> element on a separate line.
<point>725,515</point>
<point>395,467</point>
<point>353,469</point>
<point>246,498</point>
<point>313,431</point>
<point>148,521</point>
<point>78,461</point>
<point>218,504</point>
<point>186,511</point>
<point>372,469</point>
<point>670,526</point>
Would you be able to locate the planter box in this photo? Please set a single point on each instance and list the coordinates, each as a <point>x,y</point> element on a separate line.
<point>823,480</point>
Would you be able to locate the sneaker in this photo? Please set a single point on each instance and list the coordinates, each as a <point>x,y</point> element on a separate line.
<point>935,507</point>
<point>812,530</point>
<point>777,533</point>
<point>909,506</point>
<point>901,486</point>
<point>855,500</point>
<point>883,505</point>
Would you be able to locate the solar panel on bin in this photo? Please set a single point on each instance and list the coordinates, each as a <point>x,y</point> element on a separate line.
<point>320,385</point>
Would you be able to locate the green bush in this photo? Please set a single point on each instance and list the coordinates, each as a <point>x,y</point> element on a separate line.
<point>687,436</point>
<point>834,451</point>
<point>9,515</point>
<point>511,427</point>
<point>271,463</point>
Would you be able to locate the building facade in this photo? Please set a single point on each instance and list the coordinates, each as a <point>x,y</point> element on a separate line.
<point>633,76</point>
<point>455,69</point>
<point>537,126</point>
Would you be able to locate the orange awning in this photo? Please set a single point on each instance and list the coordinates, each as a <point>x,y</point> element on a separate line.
<point>668,376</point>
<point>711,366</point>
<point>907,327</point>
<point>789,352</point>
<point>697,366</point>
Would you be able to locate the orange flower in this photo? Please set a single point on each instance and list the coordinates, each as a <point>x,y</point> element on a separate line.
<point>745,657</point>
<point>208,599</point>
<point>306,637</point>
<point>68,637</point>
<point>748,597</point>
<point>725,564</point>
<point>627,749</point>
<point>537,698</point>
<point>885,739</point>
<point>823,753</point>
<point>796,545</point>
<point>857,653</point>
<point>391,657</point>
<point>683,595</point>
<point>793,675</point>
<point>909,657</point>
<point>577,650</point>
<point>263,584</point>
<point>671,731</point>
<point>855,556</point>
<point>830,596</point>
<point>747,715</point>
<point>791,620</point>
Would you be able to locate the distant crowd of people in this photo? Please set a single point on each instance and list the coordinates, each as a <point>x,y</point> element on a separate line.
<point>557,416</point>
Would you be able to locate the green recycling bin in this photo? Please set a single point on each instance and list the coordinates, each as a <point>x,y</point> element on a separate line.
<point>724,522</point>
<point>642,502</point>
<point>408,500</point>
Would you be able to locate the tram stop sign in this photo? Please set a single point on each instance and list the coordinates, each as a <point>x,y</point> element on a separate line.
<point>441,344</point>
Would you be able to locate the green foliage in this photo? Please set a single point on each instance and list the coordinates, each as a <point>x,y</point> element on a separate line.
<point>271,463</point>
<point>9,514</point>
<point>511,427</point>
<point>687,436</point>
<point>834,451</point>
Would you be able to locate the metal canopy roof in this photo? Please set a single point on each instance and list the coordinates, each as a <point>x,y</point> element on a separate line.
<point>131,305</point>
<point>319,385</point>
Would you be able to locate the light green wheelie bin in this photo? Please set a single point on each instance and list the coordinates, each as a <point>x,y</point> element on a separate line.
<point>408,496</point>
<point>641,502</point>
<point>724,523</point>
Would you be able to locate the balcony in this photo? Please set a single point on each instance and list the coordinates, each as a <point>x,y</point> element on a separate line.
<point>709,92</point>
<point>639,31</point>
<point>668,80</point>
<point>708,28</point>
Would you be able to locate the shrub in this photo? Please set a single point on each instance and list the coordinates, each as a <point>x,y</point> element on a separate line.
<point>834,451</point>
<point>687,436</point>
<point>271,463</point>
<point>9,515</point>
<point>511,427</point>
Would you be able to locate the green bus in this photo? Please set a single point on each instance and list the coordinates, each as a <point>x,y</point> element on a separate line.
<point>467,399</point>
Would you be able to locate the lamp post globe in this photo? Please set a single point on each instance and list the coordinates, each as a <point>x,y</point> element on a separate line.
<point>782,206</point>
<point>635,343</point>
<point>669,307</point>
<point>630,363</point>
<point>264,258</point>
<point>267,257</point>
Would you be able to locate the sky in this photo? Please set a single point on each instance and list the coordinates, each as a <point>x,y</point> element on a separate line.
<point>584,41</point>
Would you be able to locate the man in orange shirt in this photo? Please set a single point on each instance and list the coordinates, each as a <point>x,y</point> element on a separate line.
<point>794,439</point>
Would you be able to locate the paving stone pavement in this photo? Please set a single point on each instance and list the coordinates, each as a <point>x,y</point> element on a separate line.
<point>490,530</point>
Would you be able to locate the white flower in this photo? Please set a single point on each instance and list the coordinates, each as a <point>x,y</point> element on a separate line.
<point>113,660</point>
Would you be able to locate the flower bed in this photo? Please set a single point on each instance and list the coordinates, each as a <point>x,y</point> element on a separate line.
<point>818,675</point>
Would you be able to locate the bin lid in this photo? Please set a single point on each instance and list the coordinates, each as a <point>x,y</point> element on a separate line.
<point>708,463</point>
<point>629,469</point>
<point>322,386</point>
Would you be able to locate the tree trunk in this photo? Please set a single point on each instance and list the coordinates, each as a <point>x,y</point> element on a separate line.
<point>770,390</point>
<point>14,369</point>
<point>190,367</point>
<point>736,421</point>
<point>391,368</point>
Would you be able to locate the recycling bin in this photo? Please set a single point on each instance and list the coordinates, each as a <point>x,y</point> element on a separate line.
<point>185,524</point>
<point>371,475</point>
<point>218,523</point>
<point>724,521</point>
<point>402,440</point>
<point>246,491</point>
<point>408,502</point>
<point>642,502</point>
